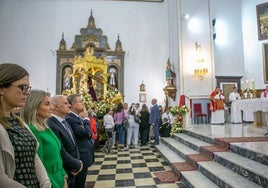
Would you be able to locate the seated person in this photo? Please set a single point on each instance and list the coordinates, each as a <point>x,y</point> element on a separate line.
<point>165,128</point>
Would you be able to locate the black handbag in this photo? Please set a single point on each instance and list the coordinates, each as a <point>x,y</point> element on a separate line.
<point>125,123</point>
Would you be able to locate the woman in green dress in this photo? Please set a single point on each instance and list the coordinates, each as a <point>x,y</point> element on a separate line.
<point>35,112</point>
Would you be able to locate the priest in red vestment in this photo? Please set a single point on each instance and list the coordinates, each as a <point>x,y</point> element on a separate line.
<point>217,106</point>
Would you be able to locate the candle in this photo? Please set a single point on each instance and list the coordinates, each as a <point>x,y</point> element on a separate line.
<point>247,85</point>
<point>253,84</point>
<point>242,86</point>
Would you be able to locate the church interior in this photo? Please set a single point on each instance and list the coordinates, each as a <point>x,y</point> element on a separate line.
<point>176,51</point>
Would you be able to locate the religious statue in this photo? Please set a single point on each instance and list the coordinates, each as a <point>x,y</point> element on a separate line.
<point>67,79</point>
<point>170,90</point>
<point>170,75</point>
<point>91,50</point>
<point>112,78</point>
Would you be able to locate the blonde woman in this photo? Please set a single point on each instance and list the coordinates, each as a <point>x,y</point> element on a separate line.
<point>36,110</point>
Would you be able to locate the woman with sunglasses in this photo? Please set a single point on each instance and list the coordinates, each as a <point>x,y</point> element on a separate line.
<point>20,165</point>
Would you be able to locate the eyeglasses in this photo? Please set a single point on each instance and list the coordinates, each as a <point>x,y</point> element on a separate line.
<point>24,88</point>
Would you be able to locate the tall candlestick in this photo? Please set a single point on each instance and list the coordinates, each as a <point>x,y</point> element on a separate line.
<point>242,86</point>
<point>247,85</point>
<point>253,84</point>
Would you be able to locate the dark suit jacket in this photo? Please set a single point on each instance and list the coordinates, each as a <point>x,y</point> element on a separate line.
<point>69,151</point>
<point>81,129</point>
<point>154,115</point>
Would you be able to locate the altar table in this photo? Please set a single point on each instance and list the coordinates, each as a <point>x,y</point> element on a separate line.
<point>254,110</point>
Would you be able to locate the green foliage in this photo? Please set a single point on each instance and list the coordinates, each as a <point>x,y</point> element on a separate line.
<point>178,113</point>
<point>111,99</point>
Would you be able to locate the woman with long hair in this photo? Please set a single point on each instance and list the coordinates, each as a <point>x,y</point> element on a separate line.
<point>144,125</point>
<point>133,129</point>
<point>20,165</point>
<point>119,116</point>
<point>35,112</point>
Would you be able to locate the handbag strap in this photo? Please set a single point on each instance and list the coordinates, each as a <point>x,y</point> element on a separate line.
<point>124,115</point>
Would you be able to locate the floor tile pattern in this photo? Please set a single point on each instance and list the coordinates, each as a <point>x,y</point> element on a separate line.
<point>132,168</point>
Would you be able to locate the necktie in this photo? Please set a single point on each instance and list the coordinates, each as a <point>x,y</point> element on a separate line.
<point>81,119</point>
<point>66,126</point>
<point>265,94</point>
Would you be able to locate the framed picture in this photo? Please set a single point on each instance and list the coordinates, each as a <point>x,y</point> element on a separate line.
<point>265,62</point>
<point>262,21</point>
<point>227,88</point>
<point>142,97</point>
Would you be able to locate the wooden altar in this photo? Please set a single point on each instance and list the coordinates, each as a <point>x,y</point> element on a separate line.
<point>90,75</point>
<point>90,63</point>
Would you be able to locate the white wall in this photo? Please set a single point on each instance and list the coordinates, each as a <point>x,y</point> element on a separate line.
<point>252,46</point>
<point>223,56</point>
<point>31,31</point>
<point>195,29</point>
<point>228,45</point>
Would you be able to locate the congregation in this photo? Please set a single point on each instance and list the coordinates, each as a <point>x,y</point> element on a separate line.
<point>50,141</point>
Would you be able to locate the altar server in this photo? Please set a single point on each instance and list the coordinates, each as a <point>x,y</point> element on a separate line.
<point>235,112</point>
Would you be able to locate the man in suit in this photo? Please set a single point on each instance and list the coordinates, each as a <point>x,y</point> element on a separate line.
<point>154,121</point>
<point>79,121</point>
<point>69,151</point>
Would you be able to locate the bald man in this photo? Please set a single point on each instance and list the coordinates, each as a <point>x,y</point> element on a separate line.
<point>154,120</point>
<point>69,151</point>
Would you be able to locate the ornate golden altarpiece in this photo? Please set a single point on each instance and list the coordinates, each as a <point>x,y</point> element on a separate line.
<point>90,63</point>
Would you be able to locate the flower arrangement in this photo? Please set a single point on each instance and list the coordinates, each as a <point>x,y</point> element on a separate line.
<point>178,113</point>
<point>183,110</point>
<point>110,100</point>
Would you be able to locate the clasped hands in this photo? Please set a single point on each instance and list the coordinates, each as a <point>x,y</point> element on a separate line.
<point>80,169</point>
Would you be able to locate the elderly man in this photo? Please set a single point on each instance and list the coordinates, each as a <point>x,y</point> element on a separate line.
<point>154,121</point>
<point>69,152</point>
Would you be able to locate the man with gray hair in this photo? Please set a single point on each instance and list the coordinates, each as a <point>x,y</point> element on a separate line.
<point>69,151</point>
<point>154,120</point>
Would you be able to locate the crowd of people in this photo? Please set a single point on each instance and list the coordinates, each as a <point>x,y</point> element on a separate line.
<point>50,141</point>
<point>135,126</point>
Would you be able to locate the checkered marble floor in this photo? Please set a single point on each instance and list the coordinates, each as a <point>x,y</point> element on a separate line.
<point>131,168</point>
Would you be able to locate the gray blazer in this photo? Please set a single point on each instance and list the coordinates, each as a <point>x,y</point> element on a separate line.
<point>7,164</point>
